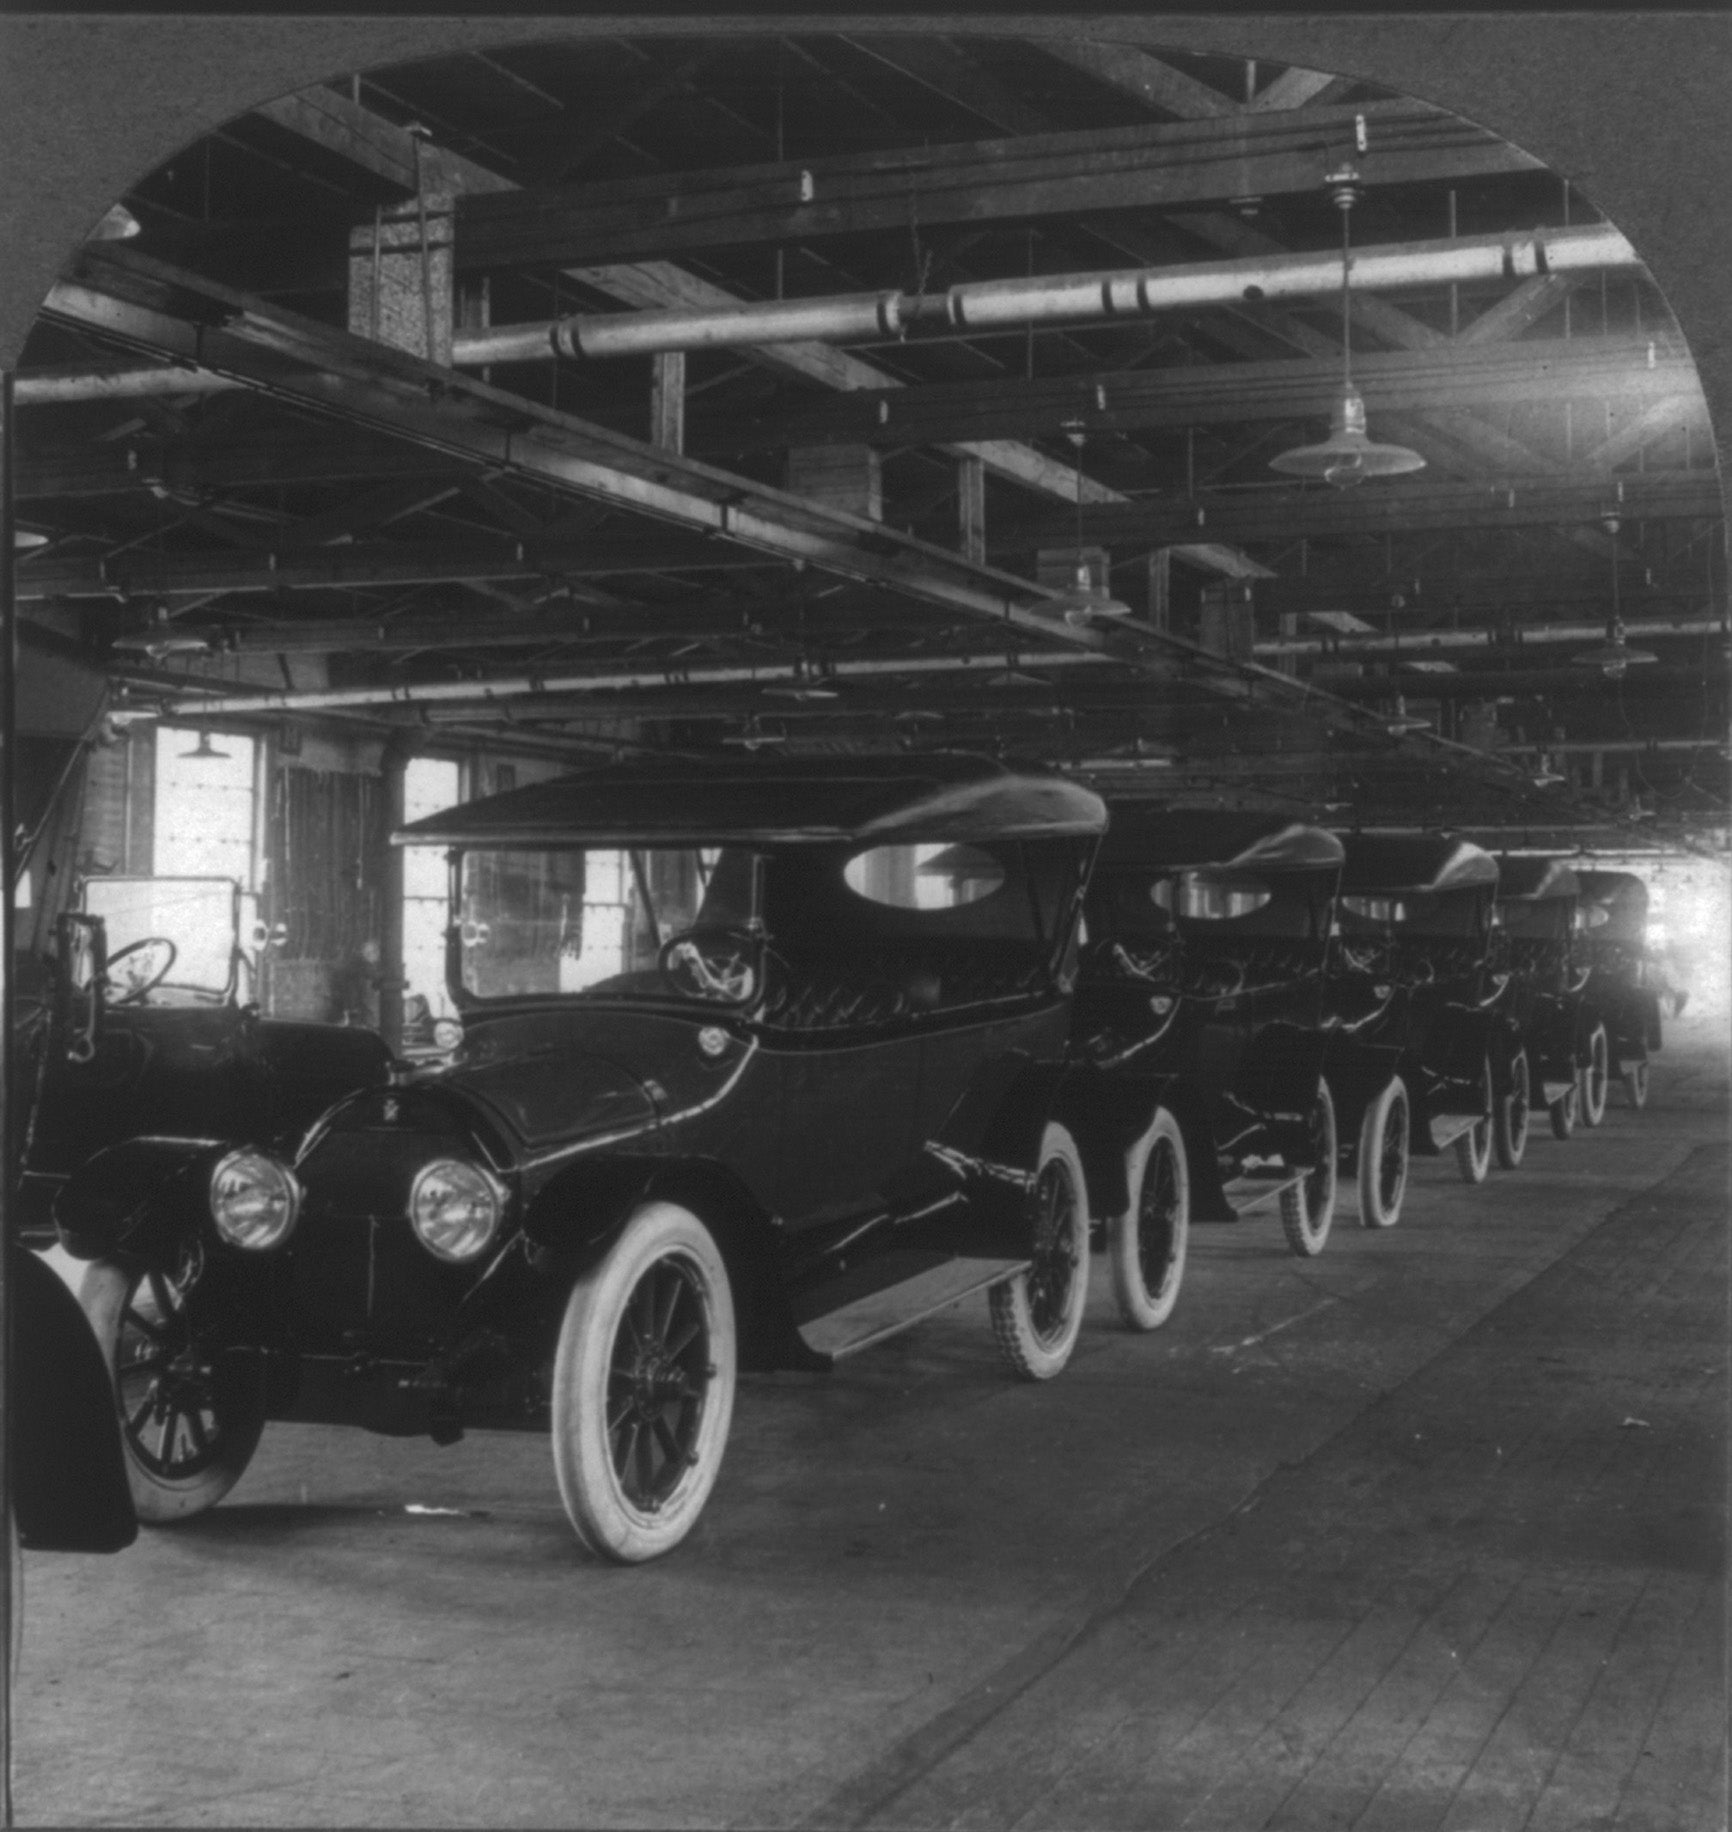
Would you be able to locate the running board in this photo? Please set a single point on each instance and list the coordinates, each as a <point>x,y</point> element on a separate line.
<point>884,1313</point>
<point>1248,1194</point>
<point>1446,1128</point>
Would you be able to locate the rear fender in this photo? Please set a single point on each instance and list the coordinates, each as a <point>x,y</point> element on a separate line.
<point>1357,1073</point>
<point>575,1221</point>
<point>142,1196</point>
<point>69,1472</point>
<point>1107,1114</point>
<point>1280,1070</point>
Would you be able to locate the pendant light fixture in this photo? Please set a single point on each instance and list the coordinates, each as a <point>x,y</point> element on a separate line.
<point>1349,455</point>
<point>1614,656</point>
<point>204,749</point>
<point>1083,601</point>
<point>1401,722</point>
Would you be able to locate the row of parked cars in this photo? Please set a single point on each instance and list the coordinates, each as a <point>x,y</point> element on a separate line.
<point>760,1063</point>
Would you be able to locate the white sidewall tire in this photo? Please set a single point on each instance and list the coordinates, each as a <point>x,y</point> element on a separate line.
<point>604,1518</point>
<point>1512,1116</point>
<point>1593,1078</point>
<point>1636,1085</point>
<point>1473,1147</point>
<point>1380,1207</point>
<point>1140,1308</point>
<point>1308,1212</point>
<point>160,1500</point>
<point>1027,1352</point>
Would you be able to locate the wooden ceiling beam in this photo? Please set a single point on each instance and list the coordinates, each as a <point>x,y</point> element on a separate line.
<point>342,126</point>
<point>1158,167</point>
<point>1455,377</point>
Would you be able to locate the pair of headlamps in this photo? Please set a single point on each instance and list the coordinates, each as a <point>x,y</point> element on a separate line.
<point>455,1207</point>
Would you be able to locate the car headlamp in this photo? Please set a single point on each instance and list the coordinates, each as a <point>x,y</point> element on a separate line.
<point>254,1200</point>
<point>455,1208</point>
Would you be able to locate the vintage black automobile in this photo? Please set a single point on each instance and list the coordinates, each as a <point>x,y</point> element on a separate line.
<point>163,1040</point>
<point>1417,922</point>
<point>1203,969</point>
<point>1623,988</point>
<point>1563,1035</point>
<point>761,1063</point>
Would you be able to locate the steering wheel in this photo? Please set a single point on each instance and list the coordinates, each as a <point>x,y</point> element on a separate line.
<point>715,962</point>
<point>157,954</point>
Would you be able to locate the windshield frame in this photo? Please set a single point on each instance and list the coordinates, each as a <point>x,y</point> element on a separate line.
<point>588,998</point>
<point>198,993</point>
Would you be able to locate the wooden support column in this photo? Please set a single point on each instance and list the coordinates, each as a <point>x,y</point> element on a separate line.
<point>1227,626</point>
<point>401,277</point>
<point>971,509</point>
<point>393,770</point>
<point>849,477</point>
<point>668,401</point>
<point>1161,589</point>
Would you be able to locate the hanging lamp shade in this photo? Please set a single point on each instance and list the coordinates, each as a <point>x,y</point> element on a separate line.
<point>1349,455</point>
<point>1613,656</point>
<point>1084,602</point>
<point>204,749</point>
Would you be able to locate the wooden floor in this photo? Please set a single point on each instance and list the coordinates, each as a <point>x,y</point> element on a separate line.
<point>1427,1532</point>
<point>1494,1600</point>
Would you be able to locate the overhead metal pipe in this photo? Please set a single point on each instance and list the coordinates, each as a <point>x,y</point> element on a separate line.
<point>541,686</point>
<point>1429,641</point>
<point>50,387</point>
<point>992,304</point>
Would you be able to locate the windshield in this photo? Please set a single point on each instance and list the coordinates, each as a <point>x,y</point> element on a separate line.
<point>196,916</point>
<point>592,922</point>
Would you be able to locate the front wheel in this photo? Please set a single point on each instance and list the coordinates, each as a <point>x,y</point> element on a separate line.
<point>1037,1315</point>
<point>1473,1147</point>
<point>1146,1244</point>
<point>1562,1114</point>
<point>1594,1077</point>
<point>1636,1084</point>
<point>1383,1150</point>
<point>1308,1207</point>
<point>1510,1114</point>
<point>643,1387</point>
<point>189,1420</point>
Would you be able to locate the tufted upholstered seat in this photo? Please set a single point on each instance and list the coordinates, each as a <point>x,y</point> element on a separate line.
<point>879,984</point>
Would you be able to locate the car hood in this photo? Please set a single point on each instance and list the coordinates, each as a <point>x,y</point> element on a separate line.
<point>555,1076</point>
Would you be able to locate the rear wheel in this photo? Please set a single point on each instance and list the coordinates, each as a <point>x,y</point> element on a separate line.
<point>189,1420</point>
<point>1562,1114</point>
<point>1146,1244</point>
<point>1594,1077</point>
<point>1636,1084</point>
<point>643,1387</point>
<point>1511,1113</point>
<point>1308,1207</point>
<point>1383,1152</point>
<point>1037,1315</point>
<point>1473,1147</point>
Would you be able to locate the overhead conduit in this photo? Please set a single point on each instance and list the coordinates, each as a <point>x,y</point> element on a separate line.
<point>997,304</point>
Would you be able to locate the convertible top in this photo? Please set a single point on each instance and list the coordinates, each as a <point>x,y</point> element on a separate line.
<point>779,801</point>
<point>1621,891</point>
<point>1415,862</point>
<point>1193,839</point>
<point>1530,880</point>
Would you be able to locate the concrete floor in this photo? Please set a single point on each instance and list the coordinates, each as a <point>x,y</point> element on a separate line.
<point>1428,1532</point>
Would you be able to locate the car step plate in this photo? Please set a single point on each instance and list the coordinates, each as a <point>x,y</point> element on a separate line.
<point>1446,1128</point>
<point>1248,1194</point>
<point>882,1313</point>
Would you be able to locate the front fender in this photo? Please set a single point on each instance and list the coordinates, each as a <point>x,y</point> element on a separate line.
<point>573,1223</point>
<point>136,1195</point>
